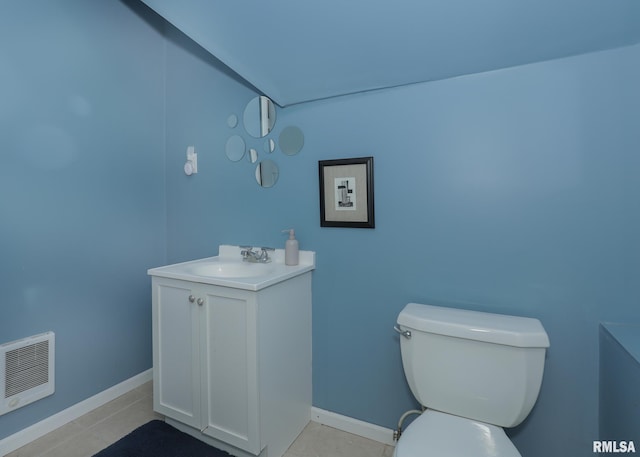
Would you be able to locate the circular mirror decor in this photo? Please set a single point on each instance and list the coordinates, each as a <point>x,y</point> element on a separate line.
<point>253,155</point>
<point>232,121</point>
<point>291,140</point>
<point>269,146</point>
<point>259,116</point>
<point>235,148</point>
<point>267,173</point>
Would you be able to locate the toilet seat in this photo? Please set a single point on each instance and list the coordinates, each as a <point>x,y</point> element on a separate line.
<point>444,435</point>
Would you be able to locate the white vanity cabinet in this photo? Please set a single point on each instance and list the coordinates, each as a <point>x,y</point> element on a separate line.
<point>233,366</point>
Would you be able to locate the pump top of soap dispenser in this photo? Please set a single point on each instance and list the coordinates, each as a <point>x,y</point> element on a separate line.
<point>292,233</point>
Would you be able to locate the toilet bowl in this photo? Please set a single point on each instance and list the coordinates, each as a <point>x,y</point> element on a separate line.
<point>475,373</point>
<point>439,434</point>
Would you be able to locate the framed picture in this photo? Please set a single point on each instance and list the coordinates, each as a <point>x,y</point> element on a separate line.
<point>346,193</point>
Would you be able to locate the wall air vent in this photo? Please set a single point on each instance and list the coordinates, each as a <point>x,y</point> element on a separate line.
<point>26,371</point>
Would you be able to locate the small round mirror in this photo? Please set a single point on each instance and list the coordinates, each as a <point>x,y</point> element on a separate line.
<point>253,155</point>
<point>235,148</point>
<point>269,146</point>
<point>259,116</point>
<point>232,121</point>
<point>291,140</point>
<point>267,173</point>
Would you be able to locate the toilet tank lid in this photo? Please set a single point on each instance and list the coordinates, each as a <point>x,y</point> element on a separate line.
<point>474,325</point>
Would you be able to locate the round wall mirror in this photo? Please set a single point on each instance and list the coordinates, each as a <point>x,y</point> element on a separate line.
<point>253,155</point>
<point>235,148</point>
<point>269,146</point>
<point>267,173</point>
<point>291,140</point>
<point>232,121</point>
<point>259,116</point>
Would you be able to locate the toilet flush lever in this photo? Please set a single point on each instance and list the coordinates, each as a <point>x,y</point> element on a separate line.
<point>405,333</point>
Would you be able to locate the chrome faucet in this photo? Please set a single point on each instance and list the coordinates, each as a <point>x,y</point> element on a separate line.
<point>249,255</point>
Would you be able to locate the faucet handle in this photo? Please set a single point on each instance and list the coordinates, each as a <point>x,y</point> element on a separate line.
<point>246,251</point>
<point>264,254</point>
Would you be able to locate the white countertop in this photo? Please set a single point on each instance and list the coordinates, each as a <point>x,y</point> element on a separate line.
<point>278,271</point>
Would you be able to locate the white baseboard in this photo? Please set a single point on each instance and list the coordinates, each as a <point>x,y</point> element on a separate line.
<point>351,425</point>
<point>39,429</point>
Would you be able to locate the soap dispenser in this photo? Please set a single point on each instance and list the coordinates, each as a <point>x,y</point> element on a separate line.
<point>291,248</point>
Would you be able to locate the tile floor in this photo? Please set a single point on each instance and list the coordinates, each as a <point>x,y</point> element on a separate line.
<point>103,426</point>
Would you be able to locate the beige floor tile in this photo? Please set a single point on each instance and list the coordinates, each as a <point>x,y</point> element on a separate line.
<point>108,409</point>
<point>50,440</point>
<point>85,444</point>
<point>321,441</point>
<point>125,421</point>
<point>95,430</point>
<point>146,389</point>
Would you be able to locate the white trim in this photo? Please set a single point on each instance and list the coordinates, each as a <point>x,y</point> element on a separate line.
<point>351,425</point>
<point>39,429</point>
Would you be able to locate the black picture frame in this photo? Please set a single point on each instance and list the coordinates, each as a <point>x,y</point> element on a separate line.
<point>346,193</point>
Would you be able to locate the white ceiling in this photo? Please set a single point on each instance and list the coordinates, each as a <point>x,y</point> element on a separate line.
<point>298,50</point>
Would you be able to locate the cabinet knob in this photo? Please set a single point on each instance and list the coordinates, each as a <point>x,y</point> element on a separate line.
<point>200,301</point>
<point>192,298</point>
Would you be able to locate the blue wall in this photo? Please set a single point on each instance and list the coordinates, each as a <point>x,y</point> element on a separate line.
<point>82,196</point>
<point>512,191</point>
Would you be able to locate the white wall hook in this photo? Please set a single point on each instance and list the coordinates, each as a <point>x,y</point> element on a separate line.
<point>191,166</point>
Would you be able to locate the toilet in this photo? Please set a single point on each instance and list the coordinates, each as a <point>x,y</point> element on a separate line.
<point>474,373</point>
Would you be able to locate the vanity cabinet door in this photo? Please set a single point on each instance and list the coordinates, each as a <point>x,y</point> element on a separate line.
<point>229,369</point>
<point>176,351</point>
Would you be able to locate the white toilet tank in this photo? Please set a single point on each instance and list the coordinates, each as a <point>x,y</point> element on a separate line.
<point>482,366</point>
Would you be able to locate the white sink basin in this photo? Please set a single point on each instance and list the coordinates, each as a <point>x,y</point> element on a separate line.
<point>230,269</point>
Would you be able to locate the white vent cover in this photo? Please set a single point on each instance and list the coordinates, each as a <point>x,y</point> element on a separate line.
<point>26,371</point>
